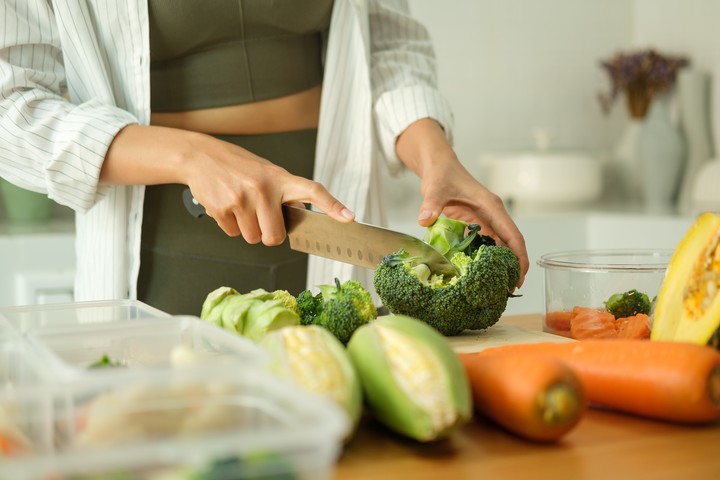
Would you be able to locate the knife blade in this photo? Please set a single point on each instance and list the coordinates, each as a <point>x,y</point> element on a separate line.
<point>356,243</point>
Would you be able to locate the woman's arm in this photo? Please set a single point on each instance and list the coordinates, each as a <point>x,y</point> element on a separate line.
<point>415,122</point>
<point>240,190</point>
<point>49,144</point>
<point>448,188</point>
<point>66,147</point>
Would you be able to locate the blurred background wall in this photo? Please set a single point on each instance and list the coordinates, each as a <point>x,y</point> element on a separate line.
<point>511,66</point>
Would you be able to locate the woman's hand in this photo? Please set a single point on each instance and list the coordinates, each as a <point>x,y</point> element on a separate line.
<point>448,188</point>
<point>240,190</point>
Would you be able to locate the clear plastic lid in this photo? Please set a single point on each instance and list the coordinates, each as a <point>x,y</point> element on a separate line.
<point>610,260</point>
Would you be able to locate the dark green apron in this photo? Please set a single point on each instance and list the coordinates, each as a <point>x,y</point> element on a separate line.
<point>184,258</point>
<point>211,54</point>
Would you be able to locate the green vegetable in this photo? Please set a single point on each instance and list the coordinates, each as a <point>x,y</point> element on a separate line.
<point>341,308</point>
<point>628,304</point>
<point>212,300</point>
<point>414,383</point>
<point>255,466</point>
<point>312,357</point>
<point>251,314</point>
<point>104,362</point>
<point>473,299</point>
<point>262,465</point>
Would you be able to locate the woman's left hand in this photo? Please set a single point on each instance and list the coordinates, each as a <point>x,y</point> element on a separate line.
<point>447,188</point>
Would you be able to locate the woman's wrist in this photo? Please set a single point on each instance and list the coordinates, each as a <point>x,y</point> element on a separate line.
<point>422,144</point>
<point>150,155</point>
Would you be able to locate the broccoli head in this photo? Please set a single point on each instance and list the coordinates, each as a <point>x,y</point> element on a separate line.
<point>628,304</point>
<point>341,308</point>
<point>473,299</point>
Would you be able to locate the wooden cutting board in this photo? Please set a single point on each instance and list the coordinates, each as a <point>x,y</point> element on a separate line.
<point>502,333</point>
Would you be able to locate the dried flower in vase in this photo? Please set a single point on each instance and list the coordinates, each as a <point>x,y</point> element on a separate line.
<point>639,76</point>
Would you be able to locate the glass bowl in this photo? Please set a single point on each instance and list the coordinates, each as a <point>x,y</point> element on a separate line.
<point>578,284</point>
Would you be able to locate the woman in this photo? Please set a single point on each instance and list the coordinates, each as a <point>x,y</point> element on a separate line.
<point>87,118</point>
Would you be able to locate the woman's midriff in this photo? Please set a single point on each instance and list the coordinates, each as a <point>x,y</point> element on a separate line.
<point>299,111</point>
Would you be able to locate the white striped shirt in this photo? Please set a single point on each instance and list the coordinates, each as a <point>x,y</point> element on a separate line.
<point>75,72</point>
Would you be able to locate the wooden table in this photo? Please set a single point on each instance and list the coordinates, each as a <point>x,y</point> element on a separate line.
<point>605,445</point>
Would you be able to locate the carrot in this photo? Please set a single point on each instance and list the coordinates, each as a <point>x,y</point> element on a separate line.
<point>535,397</point>
<point>674,381</point>
<point>5,446</point>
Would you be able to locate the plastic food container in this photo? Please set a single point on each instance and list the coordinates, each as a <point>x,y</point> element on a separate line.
<point>579,283</point>
<point>211,411</point>
<point>73,314</point>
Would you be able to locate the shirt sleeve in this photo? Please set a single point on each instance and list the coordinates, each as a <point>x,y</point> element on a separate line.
<point>403,76</point>
<point>49,144</point>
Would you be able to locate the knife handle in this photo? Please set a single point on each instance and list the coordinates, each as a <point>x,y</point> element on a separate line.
<point>192,205</point>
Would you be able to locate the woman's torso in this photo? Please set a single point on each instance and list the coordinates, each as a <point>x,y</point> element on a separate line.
<point>237,67</point>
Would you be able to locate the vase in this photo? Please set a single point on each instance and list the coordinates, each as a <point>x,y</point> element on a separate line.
<point>660,156</point>
<point>623,170</point>
<point>24,206</point>
<point>693,89</point>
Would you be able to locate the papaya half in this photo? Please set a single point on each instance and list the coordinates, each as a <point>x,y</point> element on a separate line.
<point>688,304</point>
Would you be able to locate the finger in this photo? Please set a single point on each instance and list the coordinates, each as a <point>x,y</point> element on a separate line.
<point>316,194</point>
<point>514,240</point>
<point>247,221</point>
<point>227,222</point>
<point>271,223</point>
<point>296,204</point>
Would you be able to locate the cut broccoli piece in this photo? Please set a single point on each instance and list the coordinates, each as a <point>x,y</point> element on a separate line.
<point>448,237</point>
<point>473,299</point>
<point>628,304</point>
<point>251,314</point>
<point>341,308</point>
<point>105,362</point>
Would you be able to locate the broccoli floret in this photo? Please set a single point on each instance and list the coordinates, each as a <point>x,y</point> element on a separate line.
<point>473,299</point>
<point>628,304</point>
<point>310,306</point>
<point>341,308</point>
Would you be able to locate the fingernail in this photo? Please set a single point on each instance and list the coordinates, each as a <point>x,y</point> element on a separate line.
<point>425,214</point>
<point>347,214</point>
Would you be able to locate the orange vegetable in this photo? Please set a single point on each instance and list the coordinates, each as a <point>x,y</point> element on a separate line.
<point>13,443</point>
<point>4,446</point>
<point>673,381</point>
<point>534,396</point>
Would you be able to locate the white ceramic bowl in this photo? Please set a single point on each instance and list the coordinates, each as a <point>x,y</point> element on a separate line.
<point>543,177</point>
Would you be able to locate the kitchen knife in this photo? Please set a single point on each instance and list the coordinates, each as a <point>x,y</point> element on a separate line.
<point>355,243</point>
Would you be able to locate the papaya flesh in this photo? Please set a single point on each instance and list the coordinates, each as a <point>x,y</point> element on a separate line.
<point>688,304</point>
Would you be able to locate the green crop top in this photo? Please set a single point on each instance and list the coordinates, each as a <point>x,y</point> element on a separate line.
<point>217,53</point>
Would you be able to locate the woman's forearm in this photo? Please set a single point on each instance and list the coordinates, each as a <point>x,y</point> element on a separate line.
<point>150,155</point>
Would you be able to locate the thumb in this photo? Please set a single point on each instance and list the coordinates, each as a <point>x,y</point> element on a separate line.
<point>429,212</point>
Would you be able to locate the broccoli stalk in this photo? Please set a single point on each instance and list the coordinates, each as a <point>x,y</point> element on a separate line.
<point>341,308</point>
<point>628,304</point>
<point>473,299</point>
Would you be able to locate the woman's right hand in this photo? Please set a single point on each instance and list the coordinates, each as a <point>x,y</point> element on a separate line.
<point>240,190</point>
